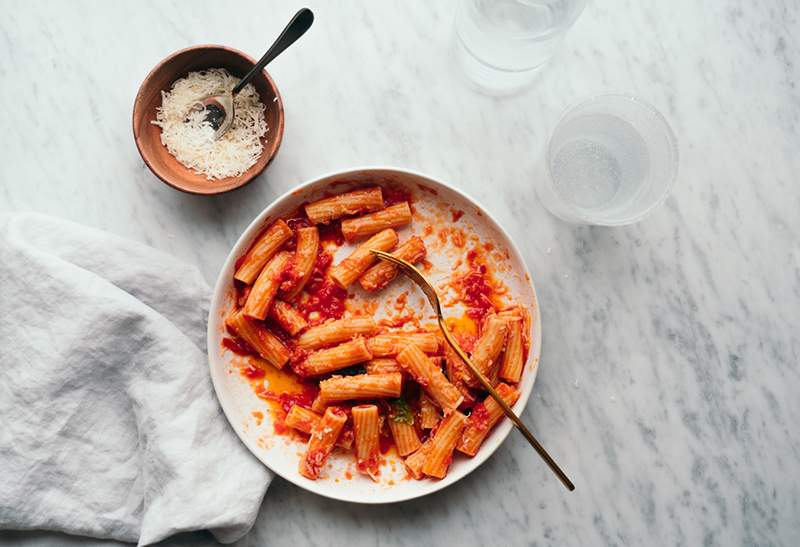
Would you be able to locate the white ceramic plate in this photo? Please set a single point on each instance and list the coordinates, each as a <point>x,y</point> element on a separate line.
<point>433,199</point>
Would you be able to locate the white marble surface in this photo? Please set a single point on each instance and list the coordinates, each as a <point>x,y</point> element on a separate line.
<point>669,381</point>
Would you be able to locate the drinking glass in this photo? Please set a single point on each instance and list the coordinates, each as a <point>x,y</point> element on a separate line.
<point>610,161</point>
<point>503,44</point>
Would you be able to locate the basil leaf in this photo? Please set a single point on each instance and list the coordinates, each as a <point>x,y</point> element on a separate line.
<point>401,412</point>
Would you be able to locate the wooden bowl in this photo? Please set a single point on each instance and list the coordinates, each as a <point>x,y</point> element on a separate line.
<point>148,136</point>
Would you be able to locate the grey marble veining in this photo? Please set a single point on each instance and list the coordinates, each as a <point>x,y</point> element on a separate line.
<point>669,380</point>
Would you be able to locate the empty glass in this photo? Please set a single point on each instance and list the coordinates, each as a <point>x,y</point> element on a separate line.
<point>503,44</point>
<point>611,160</point>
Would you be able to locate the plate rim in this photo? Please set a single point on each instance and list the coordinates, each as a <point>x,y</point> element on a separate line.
<point>220,288</point>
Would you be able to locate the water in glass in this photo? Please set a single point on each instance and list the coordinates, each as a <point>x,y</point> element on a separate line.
<point>502,44</point>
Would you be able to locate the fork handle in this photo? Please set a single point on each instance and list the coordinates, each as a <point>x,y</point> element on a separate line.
<point>506,409</point>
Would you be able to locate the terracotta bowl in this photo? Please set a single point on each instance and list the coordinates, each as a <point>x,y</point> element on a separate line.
<point>148,136</point>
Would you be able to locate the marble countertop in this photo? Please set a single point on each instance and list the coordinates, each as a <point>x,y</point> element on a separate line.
<point>669,381</point>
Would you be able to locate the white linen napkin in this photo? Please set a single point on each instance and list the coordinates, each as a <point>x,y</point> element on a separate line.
<point>109,426</point>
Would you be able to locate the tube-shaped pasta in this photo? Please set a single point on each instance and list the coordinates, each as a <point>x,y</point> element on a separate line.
<point>259,338</point>
<point>483,418</point>
<point>262,250</point>
<point>349,269</point>
<point>290,320</point>
<point>488,346</point>
<point>361,386</point>
<point>336,331</point>
<point>305,255</point>
<point>457,371</point>
<point>321,442</point>
<point>350,203</point>
<point>405,437</point>
<point>381,274</point>
<point>416,460</point>
<point>366,427</point>
<point>302,419</point>
<point>381,366</point>
<point>305,420</point>
<point>393,216</point>
<point>319,405</point>
<point>336,358</point>
<point>429,415</point>
<point>511,369</point>
<point>444,442</point>
<point>390,344</point>
<point>266,286</point>
<point>430,377</point>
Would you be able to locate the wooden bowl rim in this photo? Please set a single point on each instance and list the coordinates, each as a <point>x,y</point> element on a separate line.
<point>241,180</point>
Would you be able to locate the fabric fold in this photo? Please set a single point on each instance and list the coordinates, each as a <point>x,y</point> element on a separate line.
<point>109,426</point>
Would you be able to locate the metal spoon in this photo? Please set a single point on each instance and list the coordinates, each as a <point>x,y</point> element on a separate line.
<point>417,277</point>
<point>219,108</point>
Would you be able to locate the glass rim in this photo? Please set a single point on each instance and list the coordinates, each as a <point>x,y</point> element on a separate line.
<point>549,34</point>
<point>672,142</point>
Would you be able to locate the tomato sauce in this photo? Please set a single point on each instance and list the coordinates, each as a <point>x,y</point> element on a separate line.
<point>287,400</point>
<point>393,195</point>
<point>476,291</point>
<point>237,346</point>
<point>324,297</point>
<point>398,320</point>
<point>370,464</point>
<point>479,419</point>
<point>252,373</point>
<point>331,232</point>
<point>242,292</point>
<point>385,441</point>
<point>322,300</point>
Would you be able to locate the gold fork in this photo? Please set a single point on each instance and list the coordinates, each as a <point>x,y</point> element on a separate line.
<point>416,276</point>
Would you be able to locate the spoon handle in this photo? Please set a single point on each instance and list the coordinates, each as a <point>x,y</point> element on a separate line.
<point>298,26</point>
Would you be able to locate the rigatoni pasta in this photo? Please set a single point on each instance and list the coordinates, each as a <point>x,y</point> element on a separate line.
<point>430,377</point>
<point>381,366</point>
<point>416,461</point>
<point>336,331</point>
<point>360,387</point>
<point>319,405</point>
<point>511,369</point>
<point>392,217</point>
<point>266,286</point>
<point>350,203</point>
<point>349,269</point>
<point>262,250</point>
<point>259,338</point>
<point>322,440</point>
<point>401,424</point>
<point>366,428</point>
<point>390,344</point>
<point>438,458</point>
<point>429,414</point>
<point>457,372</point>
<point>405,437</point>
<point>489,345</point>
<point>381,274</point>
<point>355,382</point>
<point>336,358</point>
<point>290,320</point>
<point>483,418</point>
<point>302,419</point>
<point>305,420</point>
<point>305,255</point>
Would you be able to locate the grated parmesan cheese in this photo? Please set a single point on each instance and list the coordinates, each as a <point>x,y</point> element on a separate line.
<point>190,139</point>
